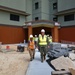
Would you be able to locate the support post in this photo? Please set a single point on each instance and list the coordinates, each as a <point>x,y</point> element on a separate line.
<point>29,31</point>
<point>55,34</point>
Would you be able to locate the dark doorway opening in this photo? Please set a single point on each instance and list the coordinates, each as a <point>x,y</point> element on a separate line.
<point>37,31</point>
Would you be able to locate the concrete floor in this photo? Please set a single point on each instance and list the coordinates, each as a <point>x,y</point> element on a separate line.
<point>38,68</point>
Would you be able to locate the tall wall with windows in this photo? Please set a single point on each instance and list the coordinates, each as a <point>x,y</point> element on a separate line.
<point>53,6</point>
<point>36,9</point>
<point>11,18</point>
<point>66,18</point>
<point>13,15</point>
<point>40,10</point>
<point>45,9</point>
<point>67,13</point>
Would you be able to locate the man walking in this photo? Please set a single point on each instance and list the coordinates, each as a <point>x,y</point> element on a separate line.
<point>50,39</point>
<point>36,40</point>
<point>43,44</point>
<point>31,47</point>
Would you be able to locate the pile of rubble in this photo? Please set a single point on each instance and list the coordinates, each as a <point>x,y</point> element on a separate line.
<point>62,58</point>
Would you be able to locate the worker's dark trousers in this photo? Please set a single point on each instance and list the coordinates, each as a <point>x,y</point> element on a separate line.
<point>43,51</point>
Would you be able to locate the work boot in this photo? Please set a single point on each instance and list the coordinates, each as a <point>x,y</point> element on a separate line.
<point>31,59</point>
<point>42,60</point>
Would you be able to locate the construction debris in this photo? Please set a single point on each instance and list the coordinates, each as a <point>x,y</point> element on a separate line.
<point>62,63</point>
<point>56,50</point>
<point>60,72</point>
<point>72,71</point>
<point>72,56</point>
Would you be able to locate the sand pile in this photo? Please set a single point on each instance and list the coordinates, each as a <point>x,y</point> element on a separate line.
<point>14,63</point>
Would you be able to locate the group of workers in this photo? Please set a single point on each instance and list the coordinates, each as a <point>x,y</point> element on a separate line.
<point>41,42</point>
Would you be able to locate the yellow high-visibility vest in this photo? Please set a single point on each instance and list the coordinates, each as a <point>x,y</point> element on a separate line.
<point>50,40</point>
<point>43,41</point>
<point>36,39</point>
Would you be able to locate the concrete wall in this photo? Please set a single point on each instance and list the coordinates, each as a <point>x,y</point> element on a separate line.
<point>65,23</point>
<point>36,12</point>
<point>29,9</point>
<point>23,5</point>
<point>51,10</point>
<point>5,19</point>
<point>65,4</point>
<point>45,9</point>
<point>16,4</point>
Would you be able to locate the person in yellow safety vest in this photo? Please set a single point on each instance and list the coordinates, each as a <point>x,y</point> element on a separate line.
<point>43,44</point>
<point>36,40</point>
<point>50,39</point>
<point>31,47</point>
<point>38,43</point>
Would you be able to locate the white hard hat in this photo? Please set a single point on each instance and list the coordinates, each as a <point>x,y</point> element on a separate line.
<point>31,36</point>
<point>50,36</point>
<point>42,30</point>
<point>35,35</point>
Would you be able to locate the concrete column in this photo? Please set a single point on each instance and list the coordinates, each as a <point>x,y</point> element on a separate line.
<point>52,31</point>
<point>29,31</point>
<point>55,34</point>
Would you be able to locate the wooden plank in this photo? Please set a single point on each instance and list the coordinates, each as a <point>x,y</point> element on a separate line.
<point>60,72</point>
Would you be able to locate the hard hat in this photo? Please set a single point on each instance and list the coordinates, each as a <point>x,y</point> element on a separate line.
<point>35,35</point>
<point>42,30</point>
<point>31,36</point>
<point>50,36</point>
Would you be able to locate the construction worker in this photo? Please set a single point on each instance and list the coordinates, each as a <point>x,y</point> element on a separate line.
<point>31,47</point>
<point>36,40</point>
<point>50,39</point>
<point>43,44</point>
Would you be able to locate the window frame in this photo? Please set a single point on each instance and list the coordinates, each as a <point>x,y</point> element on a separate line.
<point>36,18</point>
<point>54,5</point>
<point>14,17</point>
<point>36,5</point>
<point>55,18</point>
<point>69,17</point>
